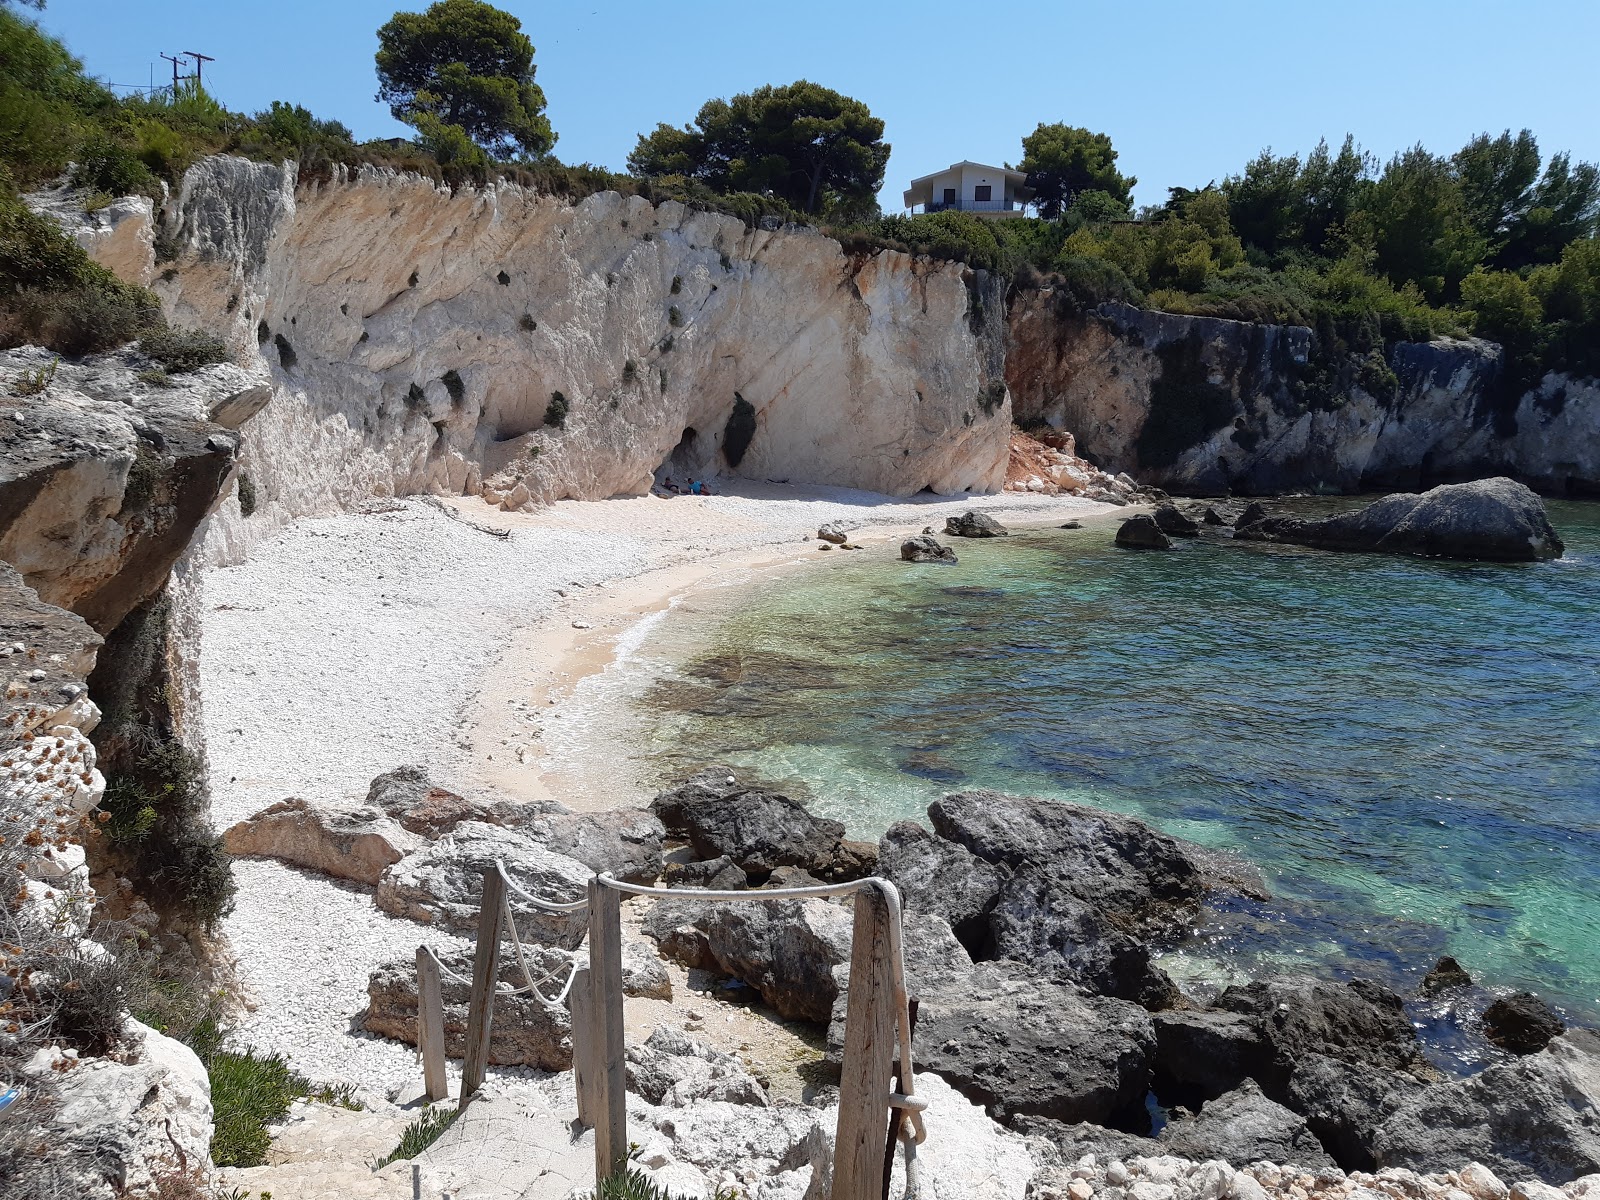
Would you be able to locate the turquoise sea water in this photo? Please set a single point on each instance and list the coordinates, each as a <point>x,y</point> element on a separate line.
<point>1409,749</point>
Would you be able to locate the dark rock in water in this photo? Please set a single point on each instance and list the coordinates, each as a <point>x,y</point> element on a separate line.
<point>1212,517</point>
<point>1492,520</point>
<point>1144,881</point>
<point>760,831</point>
<point>1024,1045</point>
<point>717,874</point>
<point>1072,1142</point>
<point>1243,1127</point>
<point>1521,1023</point>
<point>1142,533</point>
<point>1447,975</point>
<point>1040,919</point>
<point>1346,1105</point>
<point>973,525</point>
<point>1072,525</point>
<point>1175,523</point>
<point>923,549</point>
<point>1253,512</point>
<point>1537,1114</point>
<point>938,876</point>
<point>1202,1053</point>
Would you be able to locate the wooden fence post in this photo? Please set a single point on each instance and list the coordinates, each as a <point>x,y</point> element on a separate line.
<point>605,979</point>
<point>430,1025</point>
<point>869,1039</point>
<point>585,1043</point>
<point>485,974</point>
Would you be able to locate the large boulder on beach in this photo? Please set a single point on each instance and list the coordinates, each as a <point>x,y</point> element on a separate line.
<point>1521,1023</point>
<point>1243,1127</point>
<point>793,952</point>
<point>1538,1114</point>
<point>758,830</point>
<point>358,843</point>
<point>1142,533</point>
<point>443,883</point>
<point>972,524</point>
<point>410,796</point>
<point>1492,520</point>
<point>941,877</point>
<point>708,783</point>
<point>1023,1044</point>
<point>924,549</point>
<point>525,1032</point>
<point>623,842</point>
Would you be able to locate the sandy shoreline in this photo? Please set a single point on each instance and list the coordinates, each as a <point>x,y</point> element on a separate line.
<point>348,645</point>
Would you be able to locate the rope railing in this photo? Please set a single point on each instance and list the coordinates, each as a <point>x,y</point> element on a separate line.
<point>605,1025</point>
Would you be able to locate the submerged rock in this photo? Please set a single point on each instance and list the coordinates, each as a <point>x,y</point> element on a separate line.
<point>1521,1023</point>
<point>972,524</point>
<point>1142,533</point>
<point>923,549</point>
<point>1447,975</point>
<point>1493,520</point>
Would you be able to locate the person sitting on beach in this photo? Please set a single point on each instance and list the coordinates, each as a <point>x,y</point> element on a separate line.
<point>668,485</point>
<point>694,487</point>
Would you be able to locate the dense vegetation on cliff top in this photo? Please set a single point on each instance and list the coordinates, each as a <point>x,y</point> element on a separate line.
<point>1494,239</point>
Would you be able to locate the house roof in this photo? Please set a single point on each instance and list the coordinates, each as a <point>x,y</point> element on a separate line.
<point>921,191</point>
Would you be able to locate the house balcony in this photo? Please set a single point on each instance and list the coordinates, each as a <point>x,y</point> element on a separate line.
<point>986,208</point>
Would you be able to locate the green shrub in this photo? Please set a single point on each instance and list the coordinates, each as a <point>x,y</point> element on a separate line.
<point>1085,283</point>
<point>674,316</point>
<point>182,350</point>
<point>154,377</point>
<point>419,1135</point>
<point>630,371</point>
<point>249,1091</point>
<point>104,164</point>
<point>37,381</point>
<point>633,1184</point>
<point>555,413</point>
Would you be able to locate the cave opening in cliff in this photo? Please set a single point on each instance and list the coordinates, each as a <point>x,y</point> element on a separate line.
<point>685,461</point>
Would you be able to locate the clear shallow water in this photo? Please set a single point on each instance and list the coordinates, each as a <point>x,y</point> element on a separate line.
<point>1409,749</point>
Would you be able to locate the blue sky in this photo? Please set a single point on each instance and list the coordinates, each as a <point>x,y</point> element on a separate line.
<point>1188,92</point>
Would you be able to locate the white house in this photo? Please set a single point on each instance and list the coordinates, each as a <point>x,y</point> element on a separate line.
<point>971,187</point>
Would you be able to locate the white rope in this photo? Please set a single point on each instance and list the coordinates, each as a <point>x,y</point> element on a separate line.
<point>912,1104</point>
<point>527,974</point>
<point>546,905</point>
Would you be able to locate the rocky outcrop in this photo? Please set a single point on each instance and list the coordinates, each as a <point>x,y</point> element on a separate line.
<point>105,477</point>
<point>671,1068</point>
<point>942,878</point>
<point>758,830</point>
<point>1173,522</point>
<point>1538,1114</point>
<point>1198,405</point>
<point>1522,1023</point>
<point>1494,520</point>
<point>1244,1127</point>
<point>1026,1045</point>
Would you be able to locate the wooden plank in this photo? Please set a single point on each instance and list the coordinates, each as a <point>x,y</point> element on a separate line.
<point>430,1025</point>
<point>605,977</point>
<point>585,1044</point>
<point>485,972</point>
<point>869,1038</point>
<point>897,1116</point>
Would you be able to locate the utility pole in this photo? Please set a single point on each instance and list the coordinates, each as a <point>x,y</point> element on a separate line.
<point>174,62</point>
<point>199,65</point>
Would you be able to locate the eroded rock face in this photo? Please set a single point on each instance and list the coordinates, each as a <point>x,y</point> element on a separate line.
<point>420,370</point>
<point>104,478</point>
<point>942,878</point>
<point>1494,520</point>
<point>1201,406</point>
<point>358,844</point>
<point>1243,1127</point>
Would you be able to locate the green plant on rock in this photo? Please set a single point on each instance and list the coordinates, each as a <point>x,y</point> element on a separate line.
<point>247,495</point>
<point>249,1091</point>
<point>419,1135</point>
<point>555,413</point>
<point>37,381</point>
<point>633,1184</point>
<point>674,316</point>
<point>181,350</point>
